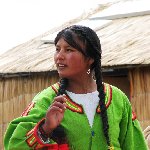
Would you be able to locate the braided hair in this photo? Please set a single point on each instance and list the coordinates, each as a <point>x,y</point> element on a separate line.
<point>89,38</point>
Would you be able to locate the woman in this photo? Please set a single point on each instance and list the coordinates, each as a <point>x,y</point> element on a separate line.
<point>80,112</point>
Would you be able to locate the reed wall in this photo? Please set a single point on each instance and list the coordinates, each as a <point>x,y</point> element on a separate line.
<point>140,94</point>
<point>17,92</point>
<point>15,95</point>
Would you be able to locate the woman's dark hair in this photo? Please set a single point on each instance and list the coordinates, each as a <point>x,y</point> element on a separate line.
<point>92,48</point>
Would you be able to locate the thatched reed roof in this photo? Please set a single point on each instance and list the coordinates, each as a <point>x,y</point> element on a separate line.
<point>125,42</point>
<point>33,57</point>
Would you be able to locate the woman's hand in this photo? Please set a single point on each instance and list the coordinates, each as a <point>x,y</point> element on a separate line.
<point>55,114</point>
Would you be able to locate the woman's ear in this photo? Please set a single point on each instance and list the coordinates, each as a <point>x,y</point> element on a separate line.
<point>91,61</point>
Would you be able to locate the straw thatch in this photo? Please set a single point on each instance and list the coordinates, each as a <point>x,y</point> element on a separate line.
<point>32,57</point>
<point>125,42</point>
<point>140,94</point>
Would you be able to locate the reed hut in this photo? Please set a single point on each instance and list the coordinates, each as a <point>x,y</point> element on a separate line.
<point>28,68</point>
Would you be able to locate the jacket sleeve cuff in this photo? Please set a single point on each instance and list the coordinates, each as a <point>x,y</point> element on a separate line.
<point>34,141</point>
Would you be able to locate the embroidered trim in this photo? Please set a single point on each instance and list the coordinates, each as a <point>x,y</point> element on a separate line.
<point>55,87</point>
<point>133,116</point>
<point>69,104</point>
<point>31,140</point>
<point>34,141</point>
<point>108,96</point>
<point>73,106</point>
<point>78,108</point>
<point>27,110</point>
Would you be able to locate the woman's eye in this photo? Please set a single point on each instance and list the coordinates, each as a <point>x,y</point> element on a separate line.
<point>69,50</point>
<point>57,49</point>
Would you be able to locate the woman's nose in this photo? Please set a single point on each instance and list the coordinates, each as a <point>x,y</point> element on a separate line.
<point>60,55</point>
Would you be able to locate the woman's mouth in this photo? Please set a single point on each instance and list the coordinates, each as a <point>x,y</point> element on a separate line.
<point>61,66</point>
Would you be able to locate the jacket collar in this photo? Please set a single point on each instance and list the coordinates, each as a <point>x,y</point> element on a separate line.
<point>71,105</point>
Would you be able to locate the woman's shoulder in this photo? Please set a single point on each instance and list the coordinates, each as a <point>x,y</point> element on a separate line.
<point>117,94</point>
<point>114,89</point>
<point>47,94</point>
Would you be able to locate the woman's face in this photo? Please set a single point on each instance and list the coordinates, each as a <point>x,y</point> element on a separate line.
<point>69,61</point>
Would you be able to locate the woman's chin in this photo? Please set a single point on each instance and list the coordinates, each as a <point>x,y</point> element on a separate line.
<point>61,75</point>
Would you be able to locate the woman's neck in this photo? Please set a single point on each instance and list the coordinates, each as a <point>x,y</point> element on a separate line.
<point>82,86</point>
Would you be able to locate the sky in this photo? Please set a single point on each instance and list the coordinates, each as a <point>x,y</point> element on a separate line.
<point>22,20</point>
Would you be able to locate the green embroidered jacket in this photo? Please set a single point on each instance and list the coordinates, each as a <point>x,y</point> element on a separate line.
<point>124,130</point>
